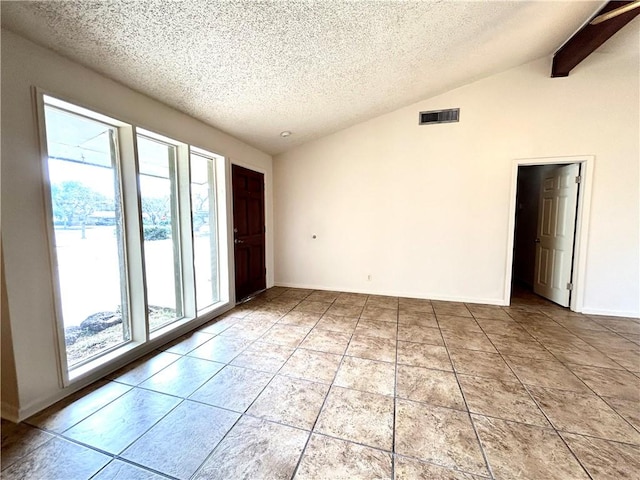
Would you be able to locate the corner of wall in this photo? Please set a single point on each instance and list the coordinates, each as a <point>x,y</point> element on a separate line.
<point>9,383</point>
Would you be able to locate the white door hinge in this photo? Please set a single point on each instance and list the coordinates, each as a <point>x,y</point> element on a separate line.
<point>569,286</point>
<point>578,179</point>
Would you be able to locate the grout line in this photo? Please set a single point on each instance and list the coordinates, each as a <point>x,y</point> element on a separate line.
<point>531,396</point>
<point>324,401</point>
<point>464,399</point>
<point>264,300</point>
<point>395,397</point>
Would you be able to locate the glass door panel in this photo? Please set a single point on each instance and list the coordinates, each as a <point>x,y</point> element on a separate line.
<point>88,234</point>
<point>158,191</point>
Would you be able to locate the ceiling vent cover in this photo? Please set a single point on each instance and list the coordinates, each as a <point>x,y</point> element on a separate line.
<point>439,116</point>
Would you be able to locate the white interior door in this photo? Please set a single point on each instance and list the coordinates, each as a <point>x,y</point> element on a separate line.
<point>556,229</point>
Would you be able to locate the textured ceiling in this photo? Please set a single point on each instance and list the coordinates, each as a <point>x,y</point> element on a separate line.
<point>254,69</point>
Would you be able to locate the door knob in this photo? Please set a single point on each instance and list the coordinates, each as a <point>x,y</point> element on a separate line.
<point>537,240</point>
<point>238,241</point>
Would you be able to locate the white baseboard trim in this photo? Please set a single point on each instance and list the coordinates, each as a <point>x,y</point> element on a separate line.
<point>444,298</point>
<point>9,412</point>
<point>611,313</point>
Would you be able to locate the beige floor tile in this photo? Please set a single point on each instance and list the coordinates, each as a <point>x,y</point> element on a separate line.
<point>420,319</point>
<point>234,388</point>
<point>221,349</point>
<point>629,410</point>
<point>312,365</point>
<point>351,299</point>
<point>221,323</point>
<point>545,373</point>
<point>19,439</point>
<point>182,377</point>
<point>366,375</point>
<point>300,319</point>
<point>323,296</point>
<point>372,348</point>
<point>420,334</point>
<point>119,470</point>
<point>326,341</point>
<point>416,309</point>
<point>45,462</point>
<point>501,327</point>
<point>345,310</point>
<point>117,425</point>
<point>379,314</point>
<point>494,312</point>
<point>610,383</point>
<point>629,359</point>
<point>179,443</point>
<point>450,308</point>
<point>605,460</point>
<point>312,306</point>
<point>506,400</point>
<point>297,294</point>
<point>76,407</point>
<point>361,417</point>
<point>550,334</point>
<point>330,458</point>
<point>481,364</point>
<point>186,343</point>
<point>515,450</point>
<point>580,323</point>
<point>416,303</point>
<point>424,355</point>
<point>469,341</point>
<point>286,335</point>
<point>290,401</point>
<point>580,355</point>
<point>458,324</point>
<point>429,386</point>
<point>606,340</point>
<point>143,368</point>
<point>381,301</point>
<point>267,316</point>
<point>247,329</point>
<point>620,325</point>
<point>438,435</point>
<point>255,449</point>
<point>583,413</point>
<point>337,324</point>
<point>410,469</point>
<point>317,370</point>
<point>524,347</point>
<point>263,356</point>
<point>375,328</point>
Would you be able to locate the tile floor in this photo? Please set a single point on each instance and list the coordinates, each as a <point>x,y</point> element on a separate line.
<point>326,385</point>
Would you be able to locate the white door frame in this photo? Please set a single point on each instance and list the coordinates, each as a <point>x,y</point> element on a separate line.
<point>582,223</point>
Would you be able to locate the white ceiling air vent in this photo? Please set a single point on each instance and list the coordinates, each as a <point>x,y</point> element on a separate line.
<point>439,116</point>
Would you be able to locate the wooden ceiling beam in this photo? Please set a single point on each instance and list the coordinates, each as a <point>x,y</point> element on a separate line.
<point>589,38</point>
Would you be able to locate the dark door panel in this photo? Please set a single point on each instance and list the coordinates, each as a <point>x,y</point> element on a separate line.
<point>249,231</point>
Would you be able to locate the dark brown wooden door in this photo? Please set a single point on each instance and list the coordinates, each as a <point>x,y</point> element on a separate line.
<point>248,231</point>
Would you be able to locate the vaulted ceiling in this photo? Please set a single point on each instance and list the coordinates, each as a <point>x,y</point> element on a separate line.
<point>254,69</point>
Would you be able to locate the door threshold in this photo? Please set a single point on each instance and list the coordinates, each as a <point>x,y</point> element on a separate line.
<point>250,297</point>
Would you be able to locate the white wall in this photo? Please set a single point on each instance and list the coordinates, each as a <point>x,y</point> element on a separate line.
<point>26,262</point>
<point>425,209</point>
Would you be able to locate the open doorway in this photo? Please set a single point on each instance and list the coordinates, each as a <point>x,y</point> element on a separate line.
<point>548,225</point>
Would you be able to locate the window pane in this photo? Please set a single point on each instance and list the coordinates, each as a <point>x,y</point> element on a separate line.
<point>89,241</point>
<point>205,244</point>
<point>161,231</point>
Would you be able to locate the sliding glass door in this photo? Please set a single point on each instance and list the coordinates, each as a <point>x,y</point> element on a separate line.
<point>83,167</point>
<point>135,228</point>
